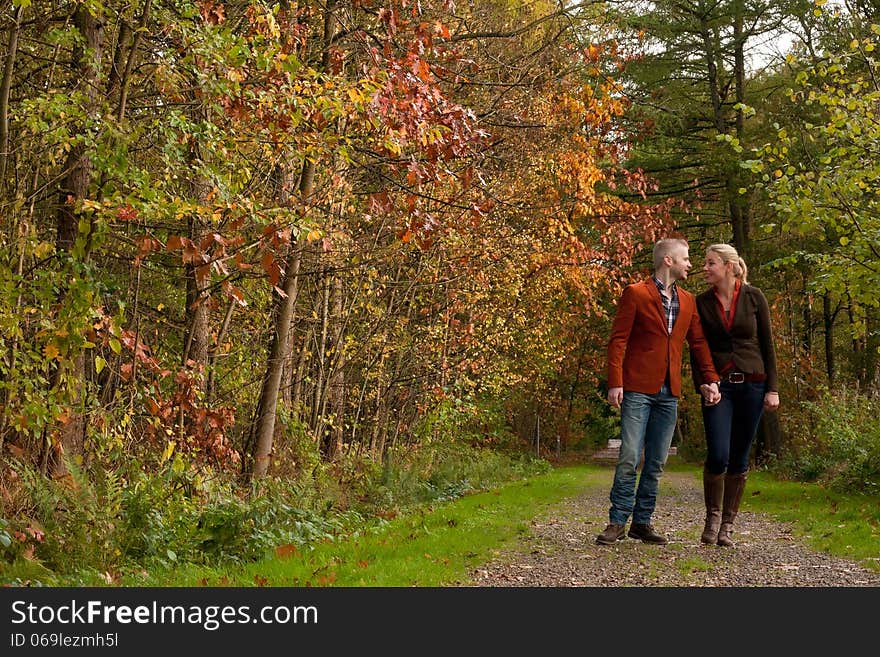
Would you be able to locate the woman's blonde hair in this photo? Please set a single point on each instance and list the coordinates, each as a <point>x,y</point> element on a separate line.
<point>729,254</point>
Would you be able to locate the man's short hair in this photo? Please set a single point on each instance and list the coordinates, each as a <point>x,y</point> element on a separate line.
<point>664,247</point>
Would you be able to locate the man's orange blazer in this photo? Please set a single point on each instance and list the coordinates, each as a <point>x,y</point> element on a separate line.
<point>641,351</point>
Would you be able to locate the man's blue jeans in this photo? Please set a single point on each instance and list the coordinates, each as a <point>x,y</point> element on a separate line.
<point>646,422</point>
<point>731,426</point>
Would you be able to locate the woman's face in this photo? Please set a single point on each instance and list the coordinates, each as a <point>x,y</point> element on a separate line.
<point>714,269</point>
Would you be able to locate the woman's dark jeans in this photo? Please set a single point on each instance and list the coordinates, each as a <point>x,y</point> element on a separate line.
<point>731,426</point>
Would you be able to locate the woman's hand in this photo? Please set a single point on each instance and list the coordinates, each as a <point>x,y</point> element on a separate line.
<point>711,394</point>
<point>771,401</point>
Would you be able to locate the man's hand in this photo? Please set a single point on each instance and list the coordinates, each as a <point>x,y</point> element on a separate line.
<point>615,396</point>
<point>771,401</point>
<point>711,394</point>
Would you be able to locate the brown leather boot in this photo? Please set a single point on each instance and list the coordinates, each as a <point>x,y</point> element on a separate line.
<point>734,485</point>
<point>713,494</point>
<point>645,532</point>
<point>611,534</point>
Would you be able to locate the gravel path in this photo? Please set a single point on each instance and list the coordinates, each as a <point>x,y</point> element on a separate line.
<point>561,550</point>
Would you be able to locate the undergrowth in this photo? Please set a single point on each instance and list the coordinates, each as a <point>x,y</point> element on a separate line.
<point>834,441</point>
<point>114,519</point>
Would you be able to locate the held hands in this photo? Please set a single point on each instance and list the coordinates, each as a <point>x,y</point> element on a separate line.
<point>711,394</point>
<point>771,401</point>
<point>615,396</point>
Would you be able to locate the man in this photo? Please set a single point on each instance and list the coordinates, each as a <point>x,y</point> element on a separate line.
<point>654,317</point>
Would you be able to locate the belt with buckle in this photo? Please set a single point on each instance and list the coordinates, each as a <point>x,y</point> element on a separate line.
<point>742,377</point>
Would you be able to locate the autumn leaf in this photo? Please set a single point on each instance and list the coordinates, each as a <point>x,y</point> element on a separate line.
<point>272,268</point>
<point>126,213</point>
<point>326,580</point>
<point>234,293</point>
<point>241,264</point>
<point>211,12</point>
<point>286,551</point>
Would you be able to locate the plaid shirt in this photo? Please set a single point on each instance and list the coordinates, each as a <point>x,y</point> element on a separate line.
<point>670,306</point>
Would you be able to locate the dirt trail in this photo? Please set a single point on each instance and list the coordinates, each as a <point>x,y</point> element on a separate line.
<point>561,550</point>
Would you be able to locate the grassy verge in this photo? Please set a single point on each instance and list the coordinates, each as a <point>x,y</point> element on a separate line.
<point>433,546</point>
<point>845,525</point>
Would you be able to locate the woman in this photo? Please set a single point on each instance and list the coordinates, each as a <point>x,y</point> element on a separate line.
<point>736,321</point>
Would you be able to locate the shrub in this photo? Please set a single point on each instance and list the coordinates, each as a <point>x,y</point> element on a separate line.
<point>835,440</point>
<point>459,447</point>
<point>119,516</point>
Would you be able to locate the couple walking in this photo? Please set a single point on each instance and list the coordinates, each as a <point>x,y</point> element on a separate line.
<point>727,328</point>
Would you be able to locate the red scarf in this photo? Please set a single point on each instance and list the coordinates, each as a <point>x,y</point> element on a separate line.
<point>728,319</point>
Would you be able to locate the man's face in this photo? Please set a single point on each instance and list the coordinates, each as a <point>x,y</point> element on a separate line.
<point>680,262</point>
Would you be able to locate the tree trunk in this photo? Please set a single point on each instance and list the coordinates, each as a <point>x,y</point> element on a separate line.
<point>828,320</point>
<point>297,395</point>
<point>197,339</point>
<point>320,394</point>
<point>790,313</point>
<point>807,329</point>
<point>263,427</point>
<point>87,67</point>
<point>125,81</point>
<point>264,422</point>
<point>286,182</point>
<point>336,388</point>
<point>740,210</point>
<point>5,88</point>
<point>216,345</point>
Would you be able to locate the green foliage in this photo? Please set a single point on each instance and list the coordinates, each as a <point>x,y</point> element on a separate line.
<point>426,546</point>
<point>691,444</point>
<point>601,424</point>
<point>416,476</point>
<point>187,518</point>
<point>457,449</point>
<point>463,418</point>
<point>836,441</point>
<point>100,524</point>
<point>72,522</point>
<point>822,176</point>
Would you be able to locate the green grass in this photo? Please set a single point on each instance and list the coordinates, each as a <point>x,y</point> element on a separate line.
<point>433,546</point>
<point>689,565</point>
<point>839,524</point>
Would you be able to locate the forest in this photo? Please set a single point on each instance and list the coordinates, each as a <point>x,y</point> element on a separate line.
<point>268,266</point>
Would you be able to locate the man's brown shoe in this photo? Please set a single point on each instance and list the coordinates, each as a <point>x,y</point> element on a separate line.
<point>611,535</point>
<point>646,533</point>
